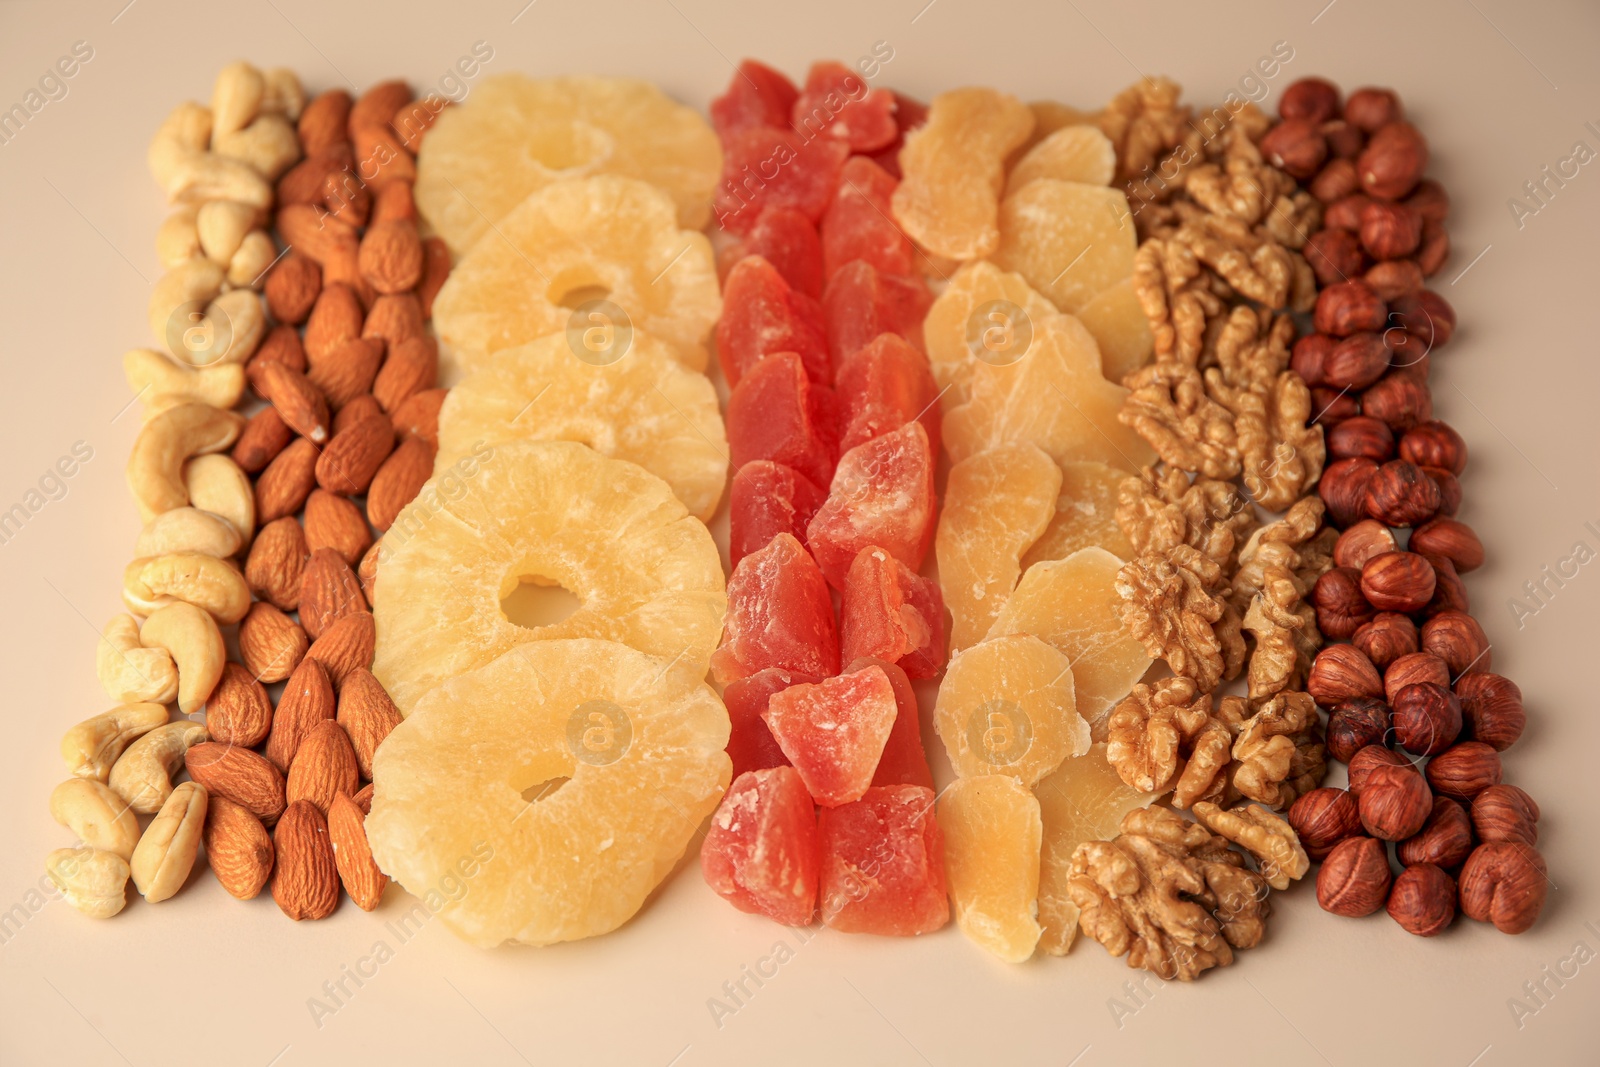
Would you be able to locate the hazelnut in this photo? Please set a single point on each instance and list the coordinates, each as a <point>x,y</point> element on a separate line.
<point>1434,249</point>
<point>1296,147</point>
<point>1309,354</point>
<point>1423,900</point>
<point>1392,163</point>
<point>1322,818</point>
<point>1337,178</point>
<point>1397,581</point>
<point>1354,724</point>
<point>1361,436</point>
<point>1400,398</point>
<point>1449,592</point>
<point>1434,444</point>
<point>1451,539</point>
<point>1356,361</point>
<point>1349,307</point>
<point>1401,495</point>
<point>1340,673</point>
<point>1386,638</point>
<point>1395,802</point>
<point>1444,840</point>
<point>1362,541</point>
<point>1427,719</point>
<point>1426,316</point>
<point>1341,609</point>
<point>1312,99</point>
<point>1505,813</point>
<point>1344,140</point>
<point>1456,638</point>
<point>1345,213</point>
<point>1369,759</point>
<point>1333,406</point>
<point>1412,669</point>
<point>1430,201</point>
<point>1335,256</point>
<point>1370,109</point>
<point>1354,879</point>
<point>1464,770</point>
<point>1449,489</point>
<point>1504,882</point>
<point>1491,707</point>
<point>1343,489</point>
<point>1390,231</point>
<point>1394,278</point>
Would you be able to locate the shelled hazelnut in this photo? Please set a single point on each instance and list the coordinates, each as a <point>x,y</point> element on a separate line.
<point>1309,355</point>
<point>1504,882</point>
<point>1356,361</point>
<point>1361,541</point>
<point>1449,592</point>
<point>1395,278</point>
<point>1400,398</point>
<point>1295,146</point>
<point>1345,212</point>
<point>1423,900</point>
<point>1445,840</point>
<point>1354,879</point>
<point>1456,638</point>
<point>1450,538</point>
<point>1340,673</point>
<point>1356,723</point>
<point>1322,818</point>
<point>1392,163</point>
<point>1491,708</point>
<point>1389,230</point>
<point>1368,109</point>
<point>1400,495</point>
<point>1435,444</point>
<point>1449,490</point>
<point>1412,668</point>
<point>1427,719</point>
<point>1505,813</point>
<point>1369,759</point>
<point>1361,435</point>
<point>1398,581</point>
<point>1343,489</point>
<point>1314,100</point>
<point>1395,802</point>
<point>1430,201</point>
<point>1388,636</point>
<point>1349,307</point>
<point>1341,608</point>
<point>1332,406</point>
<point>1426,316</point>
<point>1464,770</point>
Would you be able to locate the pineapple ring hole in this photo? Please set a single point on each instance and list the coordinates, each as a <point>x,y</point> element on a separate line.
<point>575,287</point>
<point>535,601</point>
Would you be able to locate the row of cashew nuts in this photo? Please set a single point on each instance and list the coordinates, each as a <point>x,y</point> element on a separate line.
<point>218,165</point>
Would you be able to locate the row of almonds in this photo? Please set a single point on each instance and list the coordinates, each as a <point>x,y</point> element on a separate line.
<point>270,522</point>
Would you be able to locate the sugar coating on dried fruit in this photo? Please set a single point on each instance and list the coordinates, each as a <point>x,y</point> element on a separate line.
<point>1006,706</point>
<point>984,315</point>
<point>645,571</point>
<point>861,303</point>
<point>1085,515</point>
<point>1069,154</point>
<point>1072,241</point>
<point>640,741</point>
<point>779,615</point>
<point>767,499</point>
<point>777,413</point>
<point>882,865</point>
<point>888,611</point>
<point>751,746</point>
<point>760,851</point>
<point>881,388</point>
<point>904,760</point>
<point>992,833</point>
<point>763,314</point>
<point>834,731</point>
<point>953,171</point>
<point>882,494</point>
<point>646,408</point>
<point>859,223</point>
<point>1117,320</point>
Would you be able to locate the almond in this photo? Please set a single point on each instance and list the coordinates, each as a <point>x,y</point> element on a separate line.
<point>238,712</point>
<point>277,562</point>
<point>367,715</point>
<point>411,122</point>
<point>306,701</point>
<point>345,645</point>
<point>368,571</point>
<point>270,643</point>
<point>365,406</point>
<point>336,319</point>
<point>354,455</point>
<point>394,317</point>
<point>343,267</point>
<point>313,232</point>
<point>303,183</point>
<point>391,256</point>
<point>325,122</point>
<point>283,487</point>
<point>435,272</point>
<point>378,105</point>
<point>300,403</point>
<point>348,371</point>
<point>323,768</point>
<point>344,194</point>
<point>329,590</point>
<point>334,522</point>
<point>412,366</point>
<point>353,855</point>
<point>265,434</point>
<point>281,345</point>
<point>418,415</point>
<point>305,880</point>
<point>240,775</point>
<point>398,481</point>
<point>394,202</point>
<point>380,158</point>
<point>238,847</point>
<point>292,288</point>
<point>363,799</point>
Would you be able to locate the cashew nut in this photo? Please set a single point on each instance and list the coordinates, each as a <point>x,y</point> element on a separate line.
<point>188,530</point>
<point>199,323</point>
<point>131,673</point>
<point>194,281</point>
<point>160,383</point>
<point>100,818</point>
<point>283,94</point>
<point>191,635</point>
<point>269,146</point>
<point>189,174</point>
<point>177,240</point>
<point>94,745</point>
<point>185,131</point>
<point>155,467</point>
<point>235,97</point>
<point>207,582</point>
<point>219,485</point>
<point>143,776</point>
<point>165,854</point>
<point>248,267</point>
<point>221,226</point>
<point>92,881</point>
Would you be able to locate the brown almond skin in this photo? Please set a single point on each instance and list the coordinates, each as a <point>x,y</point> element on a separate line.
<point>352,458</point>
<point>300,403</point>
<point>270,643</point>
<point>238,712</point>
<point>395,317</point>
<point>324,122</point>
<point>365,406</point>
<point>363,799</point>
<point>367,715</point>
<point>305,881</point>
<point>292,288</point>
<point>394,202</point>
<point>378,105</point>
<point>336,318</point>
<point>345,645</point>
<point>239,775</point>
<point>265,434</point>
<point>329,590</point>
<point>314,233</point>
<point>353,855</point>
<point>435,272</point>
<point>348,371</point>
<point>368,571</point>
<point>398,481</point>
<point>238,848</point>
<point>333,521</point>
<point>282,488</point>
<point>324,767</point>
<point>276,563</point>
<point>418,415</point>
<point>411,366</point>
<point>391,255</point>
<point>306,701</point>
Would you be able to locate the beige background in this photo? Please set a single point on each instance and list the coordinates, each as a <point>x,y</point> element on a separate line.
<point>1501,89</point>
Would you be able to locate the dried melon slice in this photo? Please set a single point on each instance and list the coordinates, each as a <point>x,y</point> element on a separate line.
<point>1120,327</point>
<point>992,834</point>
<point>1070,240</point>
<point>1085,515</point>
<point>1070,154</point>
<point>1007,706</point>
<point>985,315</point>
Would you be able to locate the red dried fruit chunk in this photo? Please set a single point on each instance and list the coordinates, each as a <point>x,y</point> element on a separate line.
<point>908,115</point>
<point>834,731</point>
<point>860,302</point>
<point>882,869</point>
<point>859,223</point>
<point>904,761</point>
<point>779,615</point>
<point>763,166</point>
<point>837,103</point>
<point>881,388</point>
<point>757,96</point>
<point>768,499</point>
<point>890,612</point>
<point>751,746</point>
<point>776,413</point>
<point>760,852</point>
<point>882,494</point>
<point>789,241</point>
<point>762,314</point>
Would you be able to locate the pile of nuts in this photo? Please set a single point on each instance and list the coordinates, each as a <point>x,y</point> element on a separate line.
<point>1415,673</point>
<point>275,792</point>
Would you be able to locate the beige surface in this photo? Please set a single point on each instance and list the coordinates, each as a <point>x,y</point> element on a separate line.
<point>203,978</point>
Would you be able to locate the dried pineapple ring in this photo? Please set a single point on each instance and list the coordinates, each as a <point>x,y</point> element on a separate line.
<point>646,572</point>
<point>537,272</point>
<point>518,134</point>
<point>646,408</point>
<point>641,742</point>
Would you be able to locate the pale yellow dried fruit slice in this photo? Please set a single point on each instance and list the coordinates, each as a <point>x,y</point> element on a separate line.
<point>996,504</point>
<point>645,572</point>
<point>1120,327</point>
<point>992,834</point>
<point>1048,117</point>
<point>517,134</point>
<point>953,169</point>
<point>984,316</point>
<point>567,245</point>
<point>1072,604</point>
<point>1054,396</point>
<point>470,812</point>
<point>1007,706</point>
<point>1083,800</point>
<point>646,408</point>
<point>1068,239</point>
<point>1070,154</point>
<point>1085,515</point>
